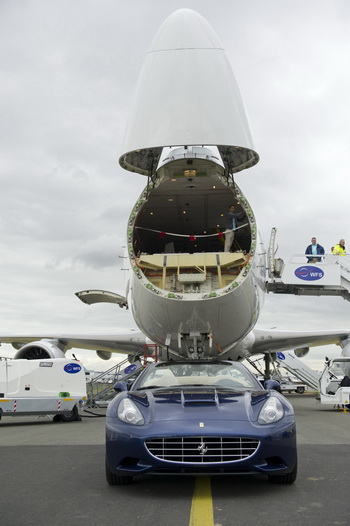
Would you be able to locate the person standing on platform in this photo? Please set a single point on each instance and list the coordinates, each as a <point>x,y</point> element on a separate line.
<point>339,249</point>
<point>314,249</point>
<point>230,226</point>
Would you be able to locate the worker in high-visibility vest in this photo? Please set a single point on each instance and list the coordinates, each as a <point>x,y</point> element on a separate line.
<point>339,249</point>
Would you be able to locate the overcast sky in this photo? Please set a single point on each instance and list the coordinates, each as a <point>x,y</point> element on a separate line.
<point>67,73</point>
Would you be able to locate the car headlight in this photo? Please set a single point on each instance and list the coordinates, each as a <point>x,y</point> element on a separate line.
<point>129,413</point>
<point>271,412</point>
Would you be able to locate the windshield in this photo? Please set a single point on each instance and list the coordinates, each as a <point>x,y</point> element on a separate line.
<point>228,375</point>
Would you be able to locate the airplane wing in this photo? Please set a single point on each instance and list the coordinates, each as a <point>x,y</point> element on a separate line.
<point>259,341</point>
<point>55,345</point>
<point>271,340</point>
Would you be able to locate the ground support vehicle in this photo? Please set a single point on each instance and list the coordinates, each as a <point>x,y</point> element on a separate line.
<point>41,387</point>
<point>292,387</point>
<point>335,388</point>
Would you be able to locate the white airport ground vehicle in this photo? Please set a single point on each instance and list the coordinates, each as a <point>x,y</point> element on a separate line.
<point>290,385</point>
<point>41,387</point>
<point>335,388</point>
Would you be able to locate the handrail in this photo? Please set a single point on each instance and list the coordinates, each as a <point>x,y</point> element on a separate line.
<point>330,259</point>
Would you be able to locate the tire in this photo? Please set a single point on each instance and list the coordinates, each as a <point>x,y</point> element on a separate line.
<point>288,478</point>
<point>71,416</point>
<point>117,480</point>
<point>300,390</point>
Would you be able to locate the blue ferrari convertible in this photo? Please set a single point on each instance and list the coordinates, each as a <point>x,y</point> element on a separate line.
<point>200,417</point>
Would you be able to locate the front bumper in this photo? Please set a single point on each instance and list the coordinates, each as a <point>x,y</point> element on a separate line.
<point>271,449</point>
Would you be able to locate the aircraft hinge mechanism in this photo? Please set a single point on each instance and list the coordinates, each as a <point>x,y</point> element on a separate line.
<point>196,344</point>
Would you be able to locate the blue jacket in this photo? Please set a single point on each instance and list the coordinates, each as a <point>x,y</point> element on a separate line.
<point>319,248</point>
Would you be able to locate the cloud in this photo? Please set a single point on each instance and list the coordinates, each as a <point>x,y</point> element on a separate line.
<point>67,75</point>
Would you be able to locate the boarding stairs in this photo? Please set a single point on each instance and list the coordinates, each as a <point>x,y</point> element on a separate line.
<point>298,368</point>
<point>294,365</point>
<point>100,389</point>
<point>328,276</point>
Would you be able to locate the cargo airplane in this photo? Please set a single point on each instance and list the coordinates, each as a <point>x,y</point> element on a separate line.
<point>188,135</point>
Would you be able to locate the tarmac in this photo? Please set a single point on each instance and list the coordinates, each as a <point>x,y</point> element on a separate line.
<point>53,474</point>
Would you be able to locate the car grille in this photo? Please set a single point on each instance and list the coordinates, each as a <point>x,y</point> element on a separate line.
<point>201,449</point>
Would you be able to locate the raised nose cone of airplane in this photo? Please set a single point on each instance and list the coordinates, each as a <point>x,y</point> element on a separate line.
<point>187,95</point>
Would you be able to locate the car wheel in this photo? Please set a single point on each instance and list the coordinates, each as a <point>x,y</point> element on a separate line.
<point>117,480</point>
<point>288,478</point>
<point>300,390</point>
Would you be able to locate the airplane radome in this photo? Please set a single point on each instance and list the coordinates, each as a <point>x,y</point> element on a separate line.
<point>188,136</point>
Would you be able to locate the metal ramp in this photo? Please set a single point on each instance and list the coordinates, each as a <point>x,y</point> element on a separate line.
<point>330,276</point>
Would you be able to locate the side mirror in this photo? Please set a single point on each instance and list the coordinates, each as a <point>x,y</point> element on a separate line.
<point>120,387</point>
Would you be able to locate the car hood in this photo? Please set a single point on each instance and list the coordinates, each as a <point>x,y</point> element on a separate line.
<point>187,403</point>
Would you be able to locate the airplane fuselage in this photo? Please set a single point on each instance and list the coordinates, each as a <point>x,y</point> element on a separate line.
<point>186,293</point>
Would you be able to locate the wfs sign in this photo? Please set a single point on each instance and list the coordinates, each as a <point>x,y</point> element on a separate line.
<point>309,273</point>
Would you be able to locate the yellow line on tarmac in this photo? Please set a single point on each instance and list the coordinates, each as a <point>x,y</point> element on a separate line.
<point>202,503</point>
